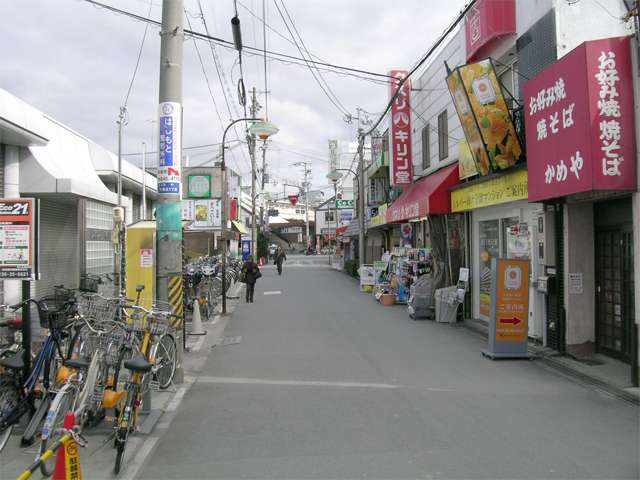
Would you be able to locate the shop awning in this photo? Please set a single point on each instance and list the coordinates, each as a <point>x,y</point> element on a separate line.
<point>428,196</point>
<point>239,226</point>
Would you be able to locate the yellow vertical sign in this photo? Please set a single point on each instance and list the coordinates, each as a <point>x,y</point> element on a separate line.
<point>72,460</point>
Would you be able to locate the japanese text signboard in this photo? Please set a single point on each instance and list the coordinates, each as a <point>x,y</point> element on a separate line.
<point>580,122</point>
<point>508,329</point>
<point>401,166</point>
<point>169,161</point>
<point>18,238</point>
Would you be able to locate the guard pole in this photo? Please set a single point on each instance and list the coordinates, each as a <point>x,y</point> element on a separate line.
<point>169,215</point>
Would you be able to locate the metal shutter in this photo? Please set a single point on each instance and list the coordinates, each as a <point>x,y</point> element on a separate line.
<point>59,246</point>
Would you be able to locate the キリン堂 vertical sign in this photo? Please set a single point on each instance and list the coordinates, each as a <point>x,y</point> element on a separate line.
<point>580,122</point>
<point>401,166</point>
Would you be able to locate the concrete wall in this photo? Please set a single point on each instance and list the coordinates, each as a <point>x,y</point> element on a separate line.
<point>588,20</point>
<point>429,98</point>
<point>579,258</point>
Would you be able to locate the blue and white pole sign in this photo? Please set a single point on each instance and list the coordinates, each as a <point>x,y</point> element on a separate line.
<point>169,181</point>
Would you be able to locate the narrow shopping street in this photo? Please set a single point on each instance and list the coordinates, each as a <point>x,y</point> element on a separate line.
<point>326,383</point>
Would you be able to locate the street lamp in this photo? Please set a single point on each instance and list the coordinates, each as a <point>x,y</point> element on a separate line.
<point>334,176</point>
<point>262,130</point>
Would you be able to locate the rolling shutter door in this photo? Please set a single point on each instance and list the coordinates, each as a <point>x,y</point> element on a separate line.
<point>59,246</point>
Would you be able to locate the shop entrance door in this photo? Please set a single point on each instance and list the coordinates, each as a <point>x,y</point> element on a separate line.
<point>614,292</point>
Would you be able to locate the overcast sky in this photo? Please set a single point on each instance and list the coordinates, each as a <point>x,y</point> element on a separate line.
<point>75,62</point>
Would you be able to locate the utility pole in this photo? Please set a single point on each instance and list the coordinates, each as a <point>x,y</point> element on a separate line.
<point>119,225</point>
<point>361,233</point>
<point>169,212</point>
<point>264,166</point>
<point>144,181</point>
<point>252,150</point>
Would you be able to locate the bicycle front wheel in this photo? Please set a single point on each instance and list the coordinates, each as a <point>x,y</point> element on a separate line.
<point>9,398</point>
<point>53,424</point>
<point>166,360</point>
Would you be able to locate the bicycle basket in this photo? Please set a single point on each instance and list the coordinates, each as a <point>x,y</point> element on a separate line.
<point>54,311</point>
<point>97,308</point>
<point>89,283</point>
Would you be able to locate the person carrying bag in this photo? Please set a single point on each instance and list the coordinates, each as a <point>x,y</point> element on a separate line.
<point>250,274</point>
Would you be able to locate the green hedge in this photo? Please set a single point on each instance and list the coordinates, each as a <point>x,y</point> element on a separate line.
<point>351,267</point>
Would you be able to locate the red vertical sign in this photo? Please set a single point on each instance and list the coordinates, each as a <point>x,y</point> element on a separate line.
<point>401,163</point>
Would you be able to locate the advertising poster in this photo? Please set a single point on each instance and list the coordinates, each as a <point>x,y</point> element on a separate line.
<point>511,300</point>
<point>466,163</point>
<point>468,123</point>
<point>489,249</point>
<point>170,148</point>
<point>492,114</point>
<point>18,220</point>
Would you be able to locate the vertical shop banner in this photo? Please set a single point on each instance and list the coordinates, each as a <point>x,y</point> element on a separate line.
<point>233,209</point>
<point>509,308</point>
<point>469,125</point>
<point>401,160</point>
<point>377,144</point>
<point>580,122</point>
<point>18,238</point>
<point>246,250</point>
<point>170,148</point>
<point>491,113</point>
<point>333,155</point>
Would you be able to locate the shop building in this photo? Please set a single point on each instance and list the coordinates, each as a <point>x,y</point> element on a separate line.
<point>529,205</point>
<point>40,157</point>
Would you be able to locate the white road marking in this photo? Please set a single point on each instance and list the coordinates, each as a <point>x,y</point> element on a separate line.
<point>312,383</point>
<point>177,398</point>
<point>273,292</point>
<point>297,383</point>
<point>135,464</point>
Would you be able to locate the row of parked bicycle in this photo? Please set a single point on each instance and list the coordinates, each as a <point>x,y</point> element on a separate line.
<point>203,282</point>
<point>98,355</point>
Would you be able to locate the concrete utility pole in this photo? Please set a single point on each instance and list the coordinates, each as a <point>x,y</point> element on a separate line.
<point>144,181</point>
<point>361,233</point>
<point>169,212</point>
<point>252,148</point>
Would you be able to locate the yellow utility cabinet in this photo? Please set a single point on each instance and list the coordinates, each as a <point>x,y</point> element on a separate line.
<point>141,261</point>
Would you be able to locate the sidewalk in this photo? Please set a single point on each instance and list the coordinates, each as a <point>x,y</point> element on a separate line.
<point>601,372</point>
<point>97,459</point>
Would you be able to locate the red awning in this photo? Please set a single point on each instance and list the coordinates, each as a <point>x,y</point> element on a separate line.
<point>341,230</point>
<point>428,196</point>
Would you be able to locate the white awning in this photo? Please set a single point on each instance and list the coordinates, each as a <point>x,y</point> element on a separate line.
<point>63,165</point>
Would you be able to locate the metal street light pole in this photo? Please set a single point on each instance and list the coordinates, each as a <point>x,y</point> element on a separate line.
<point>224,211</point>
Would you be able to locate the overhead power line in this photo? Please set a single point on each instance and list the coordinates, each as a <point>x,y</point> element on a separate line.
<point>316,75</point>
<point>135,70</point>
<point>228,44</point>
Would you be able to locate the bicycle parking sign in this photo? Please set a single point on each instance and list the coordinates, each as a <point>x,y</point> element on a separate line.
<point>19,238</point>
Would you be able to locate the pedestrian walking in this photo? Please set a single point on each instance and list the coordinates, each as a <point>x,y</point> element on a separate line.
<point>280,257</point>
<point>250,274</point>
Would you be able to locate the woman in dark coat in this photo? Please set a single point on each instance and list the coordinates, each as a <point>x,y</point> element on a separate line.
<point>280,257</point>
<point>250,273</point>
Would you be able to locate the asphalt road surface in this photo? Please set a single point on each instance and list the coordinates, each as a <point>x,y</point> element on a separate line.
<point>326,383</point>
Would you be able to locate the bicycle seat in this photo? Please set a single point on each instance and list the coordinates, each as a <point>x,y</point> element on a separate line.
<point>139,288</point>
<point>13,362</point>
<point>77,363</point>
<point>138,364</point>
